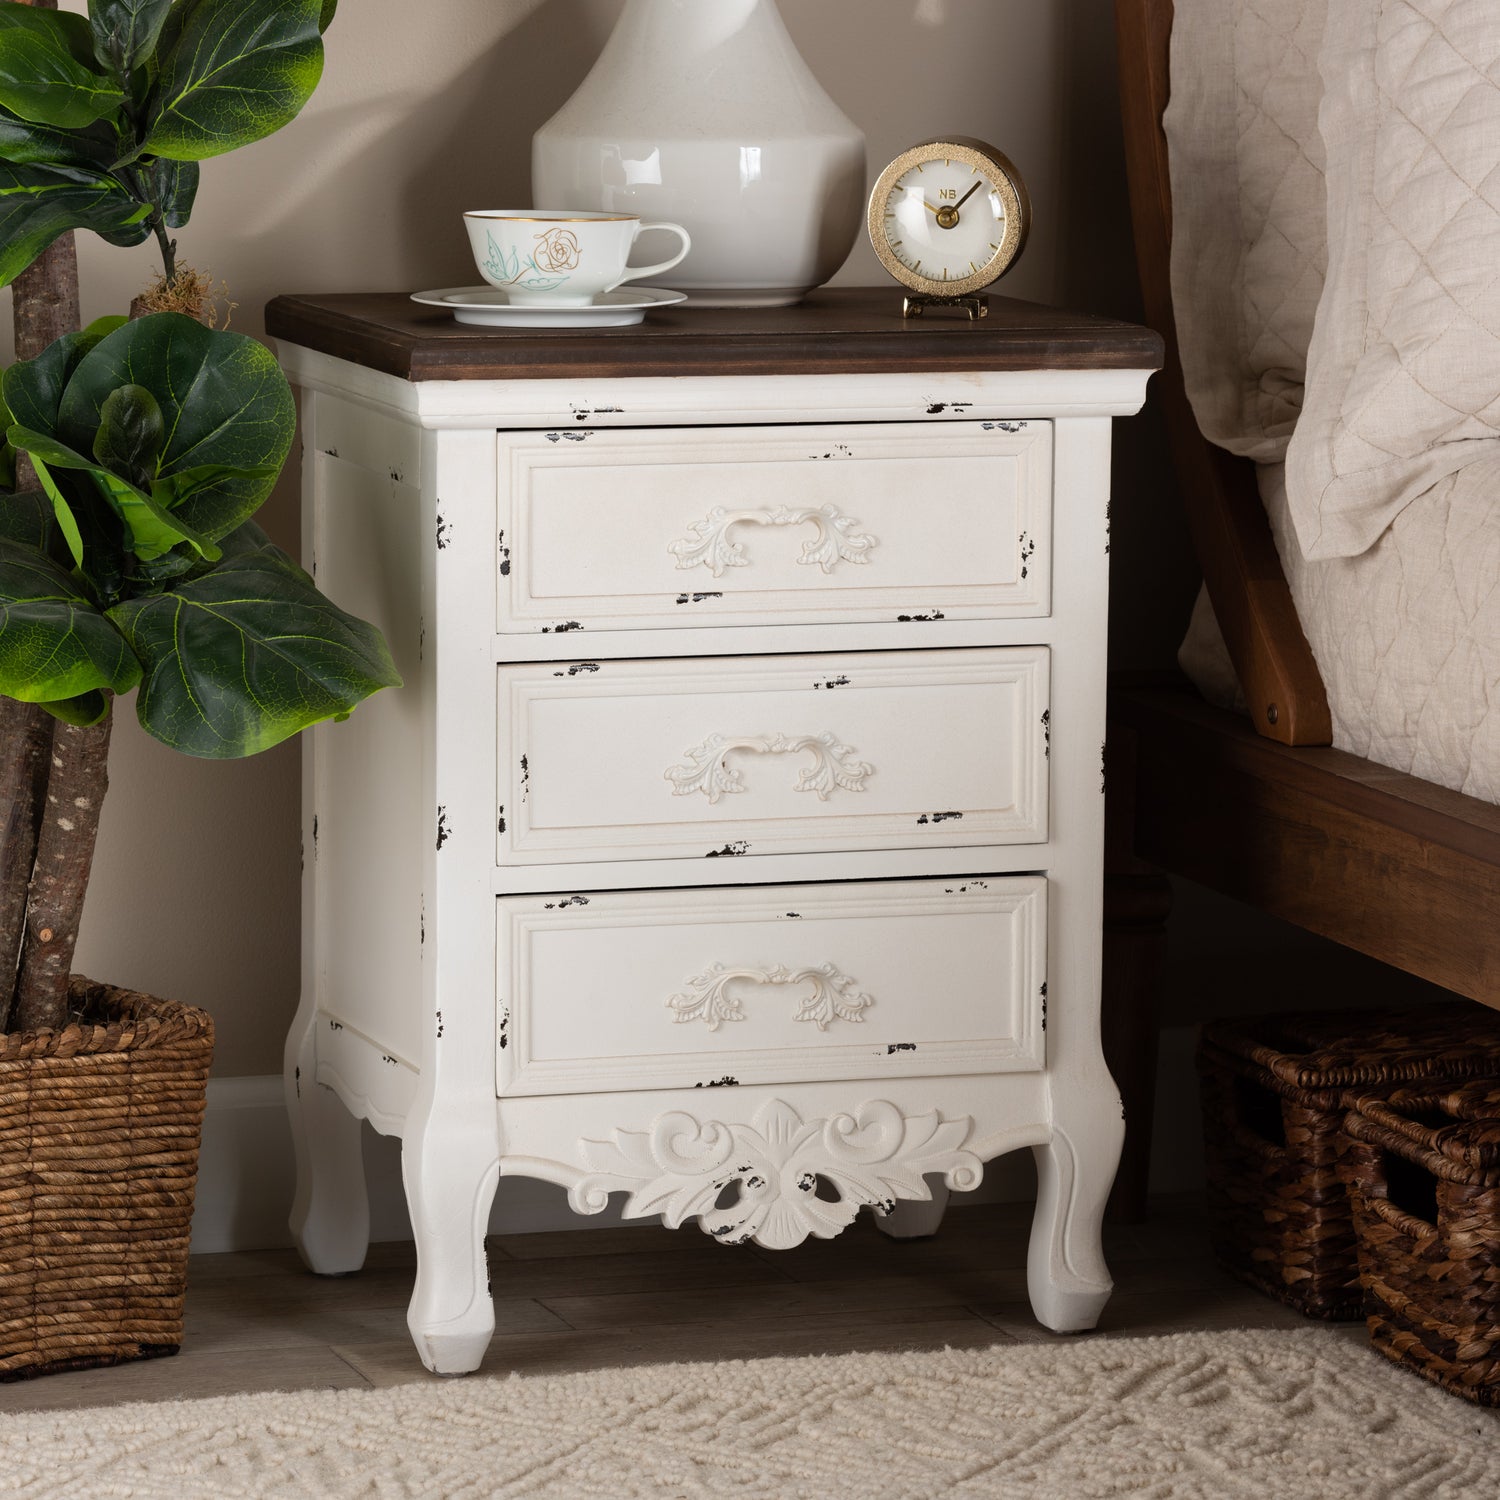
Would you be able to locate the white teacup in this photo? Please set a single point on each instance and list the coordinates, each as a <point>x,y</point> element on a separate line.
<point>560,258</point>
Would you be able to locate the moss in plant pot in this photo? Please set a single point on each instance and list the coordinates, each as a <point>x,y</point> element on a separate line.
<point>191,292</point>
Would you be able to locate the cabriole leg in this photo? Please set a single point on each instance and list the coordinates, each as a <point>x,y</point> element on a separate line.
<point>449,1189</point>
<point>1065,1271</point>
<point>330,1219</point>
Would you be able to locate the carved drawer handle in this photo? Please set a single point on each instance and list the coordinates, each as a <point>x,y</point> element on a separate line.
<point>709,770</point>
<point>833,996</point>
<point>712,547</point>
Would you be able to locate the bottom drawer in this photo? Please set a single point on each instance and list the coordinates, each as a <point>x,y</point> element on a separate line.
<point>770,984</point>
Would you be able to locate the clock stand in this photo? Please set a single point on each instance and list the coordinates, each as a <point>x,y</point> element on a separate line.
<point>913,305</point>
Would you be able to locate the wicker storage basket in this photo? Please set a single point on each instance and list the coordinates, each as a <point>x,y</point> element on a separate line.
<point>99,1132</point>
<point>1273,1110</point>
<point>1423,1171</point>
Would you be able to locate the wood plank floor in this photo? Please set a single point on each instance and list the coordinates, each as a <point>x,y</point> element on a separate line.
<point>588,1298</point>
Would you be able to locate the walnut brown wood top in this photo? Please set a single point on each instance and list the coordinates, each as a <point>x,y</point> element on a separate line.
<point>835,331</point>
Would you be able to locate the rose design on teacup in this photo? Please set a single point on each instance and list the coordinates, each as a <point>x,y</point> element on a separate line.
<point>557,250</point>
<point>504,266</point>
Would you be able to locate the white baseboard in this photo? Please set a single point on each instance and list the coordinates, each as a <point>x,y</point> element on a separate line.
<point>245,1179</point>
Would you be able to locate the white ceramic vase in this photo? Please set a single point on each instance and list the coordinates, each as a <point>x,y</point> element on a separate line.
<point>703,112</point>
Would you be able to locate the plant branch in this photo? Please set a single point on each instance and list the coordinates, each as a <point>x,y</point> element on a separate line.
<point>45,303</point>
<point>135,181</point>
<point>64,857</point>
<point>25,758</point>
<point>45,298</point>
<point>168,247</point>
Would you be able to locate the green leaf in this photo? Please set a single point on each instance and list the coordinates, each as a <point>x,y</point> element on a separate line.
<point>131,234</point>
<point>226,405</point>
<point>165,568</point>
<point>25,142</point>
<point>326,19</point>
<point>131,433</point>
<point>152,531</point>
<point>101,328</point>
<point>177,489</point>
<point>45,75</point>
<point>26,519</point>
<point>62,512</point>
<point>235,74</point>
<point>38,203</point>
<point>174,186</point>
<point>7,450</point>
<point>248,654</point>
<point>54,644</point>
<point>85,710</point>
<point>32,389</point>
<point>126,31</point>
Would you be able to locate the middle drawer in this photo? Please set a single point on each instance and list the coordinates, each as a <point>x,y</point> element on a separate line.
<point>782,754</point>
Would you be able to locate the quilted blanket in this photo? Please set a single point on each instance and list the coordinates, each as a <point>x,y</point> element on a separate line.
<point>1249,222</point>
<point>1403,373</point>
<point>1407,632</point>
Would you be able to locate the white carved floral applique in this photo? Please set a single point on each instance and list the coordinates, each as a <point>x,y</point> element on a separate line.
<point>833,996</point>
<point>708,769</point>
<point>712,547</point>
<point>682,1167</point>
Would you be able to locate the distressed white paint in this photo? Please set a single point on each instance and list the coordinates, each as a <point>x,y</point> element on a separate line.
<point>846,750</point>
<point>949,974</point>
<point>649,529</point>
<point>425,939</point>
<point>666,401</point>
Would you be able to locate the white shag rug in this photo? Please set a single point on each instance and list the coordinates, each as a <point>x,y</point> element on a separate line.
<point>1269,1415</point>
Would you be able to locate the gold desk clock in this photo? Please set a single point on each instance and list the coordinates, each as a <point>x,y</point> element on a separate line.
<point>947,218</point>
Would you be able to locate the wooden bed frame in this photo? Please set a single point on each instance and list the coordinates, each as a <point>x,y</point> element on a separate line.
<point>1258,807</point>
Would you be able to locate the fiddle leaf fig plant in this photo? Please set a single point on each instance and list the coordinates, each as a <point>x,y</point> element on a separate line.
<point>104,119</point>
<point>155,441</point>
<point>135,453</point>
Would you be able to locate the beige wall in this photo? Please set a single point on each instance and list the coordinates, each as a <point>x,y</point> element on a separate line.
<point>426,110</point>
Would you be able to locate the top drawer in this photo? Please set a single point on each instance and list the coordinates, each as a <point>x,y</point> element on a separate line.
<point>774,525</point>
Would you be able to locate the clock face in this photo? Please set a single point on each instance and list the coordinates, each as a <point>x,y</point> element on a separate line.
<point>947,217</point>
<point>944,221</point>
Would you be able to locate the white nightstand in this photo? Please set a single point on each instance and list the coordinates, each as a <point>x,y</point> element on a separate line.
<point>736,840</point>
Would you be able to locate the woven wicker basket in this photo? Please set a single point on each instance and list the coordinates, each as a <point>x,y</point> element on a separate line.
<point>1273,1109</point>
<point>99,1133</point>
<point>1423,1171</point>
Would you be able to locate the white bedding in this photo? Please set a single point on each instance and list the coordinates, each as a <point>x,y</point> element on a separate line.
<point>1403,371</point>
<point>1407,633</point>
<point>1250,240</point>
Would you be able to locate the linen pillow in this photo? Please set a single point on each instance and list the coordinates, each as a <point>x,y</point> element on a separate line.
<point>1248,232</point>
<point>1404,370</point>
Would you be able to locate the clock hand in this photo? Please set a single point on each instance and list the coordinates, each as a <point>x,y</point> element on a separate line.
<point>976,187</point>
<point>947,215</point>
